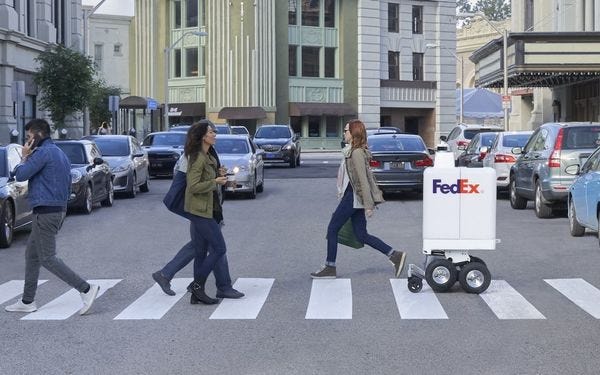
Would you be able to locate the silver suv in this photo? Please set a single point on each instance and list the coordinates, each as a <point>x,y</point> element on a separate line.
<point>539,172</point>
<point>460,136</point>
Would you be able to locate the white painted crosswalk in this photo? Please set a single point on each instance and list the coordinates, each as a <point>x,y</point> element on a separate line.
<point>327,300</point>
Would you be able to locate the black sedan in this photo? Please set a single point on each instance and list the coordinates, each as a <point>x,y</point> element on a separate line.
<point>164,149</point>
<point>474,154</point>
<point>398,161</point>
<point>16,211</point>
<point>92,180</point>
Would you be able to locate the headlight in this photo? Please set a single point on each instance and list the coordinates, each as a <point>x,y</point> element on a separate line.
<point>287,146</point>
<point>76,176</point>
<point>120,168</point>
<point>239,168</point>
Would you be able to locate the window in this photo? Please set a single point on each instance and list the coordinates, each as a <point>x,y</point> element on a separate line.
<point>177,14</point>
<point>417,66</point>
<point>296,124</point>
<point>332,127</point>
<point>191,19</point>
<point>293,63</point>
<point>117,49</point>
<point>329,16</point>
<point>191,62</point>
<point>98,55</point>
<point>329,64</point>
<point>310,12</point>
<point>393,17</point>
<point>314,126</point>
<point>310,61</point>
<point>177,64</point>
<point>417,19</point>
<point>292,12</point>
<point>393,65</point>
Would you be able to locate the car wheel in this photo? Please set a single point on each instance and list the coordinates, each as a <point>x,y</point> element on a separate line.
<point>440,275</point>
<point>110,196</point>
<point>7,225</point>
<point>133,191</point>
<point>517,202</point>
<point>252,194</point>
<point>260,188</point>
<point>144,188</point>
<point>542,210</point>
<point>88,202</point>
<point>577,230</point>
<point>293,163</point>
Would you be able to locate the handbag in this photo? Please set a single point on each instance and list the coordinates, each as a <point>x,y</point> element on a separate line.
<point>347,237</point>
<point>174,200</point>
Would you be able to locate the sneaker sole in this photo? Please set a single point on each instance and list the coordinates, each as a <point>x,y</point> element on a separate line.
<point>20,311</point>
<point>85,309</point>
<point>401,267</point>
<point>323,277</point>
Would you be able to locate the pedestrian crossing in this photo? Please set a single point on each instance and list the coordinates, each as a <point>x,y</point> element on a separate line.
<point>330,299</point>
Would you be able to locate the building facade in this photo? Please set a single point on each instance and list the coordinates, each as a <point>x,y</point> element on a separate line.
<point>312,64</point>
<point>27,28</point>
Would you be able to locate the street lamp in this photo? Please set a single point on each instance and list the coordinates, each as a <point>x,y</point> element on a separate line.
<point>504,34</point>
<point>167,71</point>
<point>462,71</point>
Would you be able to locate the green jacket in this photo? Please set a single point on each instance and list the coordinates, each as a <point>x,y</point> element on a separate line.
<point>201,183</point>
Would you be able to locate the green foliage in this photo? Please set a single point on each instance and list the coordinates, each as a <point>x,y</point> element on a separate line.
<point>99,103</point>
<point>495,10</point>
<point>66,78</point>
<point>464,6</point>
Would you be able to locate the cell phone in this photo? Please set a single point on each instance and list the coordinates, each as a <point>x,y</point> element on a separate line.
<point>36,140</point>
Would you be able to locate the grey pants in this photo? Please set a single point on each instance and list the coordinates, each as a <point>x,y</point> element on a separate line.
<point>41,251</point>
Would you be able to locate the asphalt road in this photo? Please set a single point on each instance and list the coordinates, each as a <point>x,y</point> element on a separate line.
<point>278,239</point>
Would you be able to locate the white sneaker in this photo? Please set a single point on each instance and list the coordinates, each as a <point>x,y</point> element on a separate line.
<point>21,307</point>
<point>88,298</point>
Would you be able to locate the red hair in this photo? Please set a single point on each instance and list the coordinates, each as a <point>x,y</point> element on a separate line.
<point>358,132</point>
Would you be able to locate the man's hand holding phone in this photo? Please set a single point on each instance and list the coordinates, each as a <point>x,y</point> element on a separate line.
<point>30,145</point>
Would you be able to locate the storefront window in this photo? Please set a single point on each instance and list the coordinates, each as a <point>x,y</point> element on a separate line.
<point>332,127</point>
<point>314,126</point>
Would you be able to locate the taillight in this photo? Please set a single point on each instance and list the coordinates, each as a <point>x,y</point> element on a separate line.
<point>554,161</point>
<point>462,144</point>
<point>375,163</point>
<point>501,158</point>
<point>425,162</point>
<point>482,155</point>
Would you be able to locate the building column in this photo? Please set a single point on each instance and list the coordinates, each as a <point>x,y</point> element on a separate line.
<point>597,13</point>
<point>579,15</point>
<point>369,65</point>
<point>589,15</point>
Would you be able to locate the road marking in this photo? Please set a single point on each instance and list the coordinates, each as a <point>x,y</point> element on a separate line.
<point>69,303</point>
<point>154,303</point>
<point>13,288</point>
<point>422,305</point>
<point>507,303</point>
<point>330,299</point>
<point>580,292</point>
<point>248,307</point>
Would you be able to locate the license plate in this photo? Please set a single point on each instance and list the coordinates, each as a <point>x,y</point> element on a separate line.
<point>397,165</point>
<point>271,156</point>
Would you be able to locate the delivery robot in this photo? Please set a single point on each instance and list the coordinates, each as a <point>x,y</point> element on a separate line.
<point>459,214</point>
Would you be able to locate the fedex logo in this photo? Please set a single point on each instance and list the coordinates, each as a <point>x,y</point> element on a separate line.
<point>462,186</point>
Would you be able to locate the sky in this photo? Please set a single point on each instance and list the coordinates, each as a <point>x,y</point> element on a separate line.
<point>120,7</point>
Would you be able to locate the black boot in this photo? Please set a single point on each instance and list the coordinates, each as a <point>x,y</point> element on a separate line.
<point>198,294</point>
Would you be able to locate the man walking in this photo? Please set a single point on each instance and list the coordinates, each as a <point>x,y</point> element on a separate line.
<point>49,173</point>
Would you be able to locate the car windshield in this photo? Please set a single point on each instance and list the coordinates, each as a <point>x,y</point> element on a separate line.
<point>3,171</point>
<point>470,133</point>
<point>239,130</point>
<point>74,152</point>
<point>166,139</point>
<point>272,132</point>
<point>231,146</point>
<point>222,129</point>
<point>113,147</point>
<point>515,140</point>
<point>384,143</point>
<point>581,137</point>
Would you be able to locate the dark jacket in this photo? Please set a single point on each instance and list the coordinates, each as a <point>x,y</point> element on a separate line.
<point>49,173</point>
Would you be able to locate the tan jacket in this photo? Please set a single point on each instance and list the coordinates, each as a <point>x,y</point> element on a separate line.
<point>362,180</point>
<point>201,183</point>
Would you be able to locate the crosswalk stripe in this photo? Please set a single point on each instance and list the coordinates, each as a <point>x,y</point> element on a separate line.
<point>580,292</point>
<point>422,305</point>
<point>507,303</point>
<point>248,307</point>
<point>68,304</point>
<point>12,289</point>
<point>330,299</point>
<point>154,304</point>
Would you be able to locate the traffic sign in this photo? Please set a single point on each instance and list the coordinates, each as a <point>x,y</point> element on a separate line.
<point>506,101</point>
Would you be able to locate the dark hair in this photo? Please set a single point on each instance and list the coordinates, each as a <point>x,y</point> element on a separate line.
<point>358,132</point>
<point>39,125</point>
<point>193,142</point>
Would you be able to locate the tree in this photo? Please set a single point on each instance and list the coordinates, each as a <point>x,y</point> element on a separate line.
<point>99,102</point>
<point>66,78</point>
<point>495,10</point>
<point>464,6</point>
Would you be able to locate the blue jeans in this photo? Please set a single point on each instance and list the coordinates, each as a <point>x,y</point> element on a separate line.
<point>185,256</point>
<point>344,211</point>
<point>206,234</point>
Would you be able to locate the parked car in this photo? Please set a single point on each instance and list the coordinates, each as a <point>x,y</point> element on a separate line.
<point>500,157</point>
<point>92,180</point>
<point>127,160</point>
<point>460,136</point>
<point>16,212</point>
<point>279,143</point>
<point>584,196</point>
<point>223,129</point>
<point>180,128</point>
<point>473,155</point>
<point>244,161</point>
<point>239,129</point>
<point>539,174</point>
<point>398,161</point>
<point>379,130</point>
<point>164,149</point>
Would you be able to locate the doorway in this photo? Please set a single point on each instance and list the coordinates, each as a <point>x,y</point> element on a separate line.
<point>411,125</point>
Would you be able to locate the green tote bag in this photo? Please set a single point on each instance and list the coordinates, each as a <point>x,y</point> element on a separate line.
<point>347,237</point>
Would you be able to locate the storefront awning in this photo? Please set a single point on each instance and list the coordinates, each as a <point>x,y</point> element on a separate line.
<point>137,102</point>
<point>242,113</point>
<point>187,109</point>
<point>321,109</point>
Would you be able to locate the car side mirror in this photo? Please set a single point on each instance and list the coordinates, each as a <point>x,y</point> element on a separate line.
<point>98,161</point>
<point>516,150</point>
<point>431,151</point>
<point>443,138</point>
<point>573,169</point>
